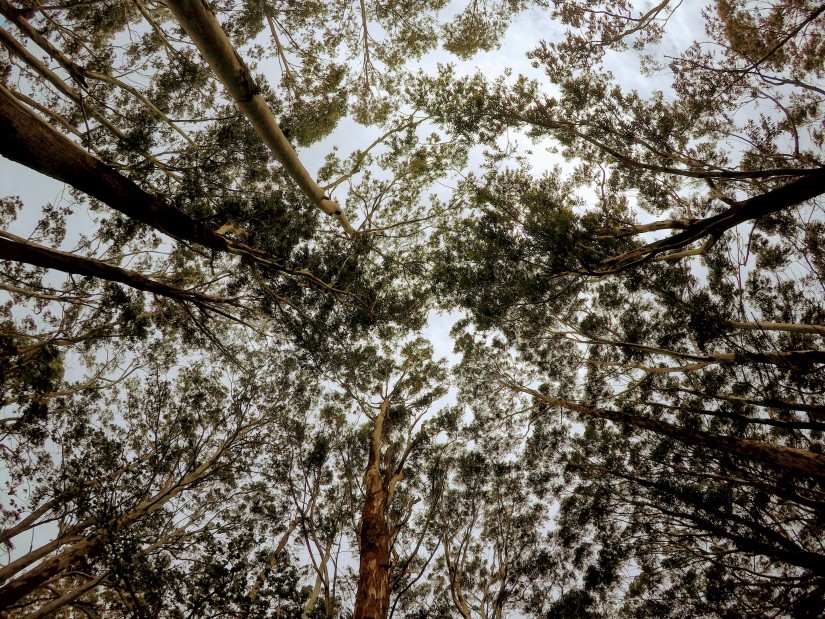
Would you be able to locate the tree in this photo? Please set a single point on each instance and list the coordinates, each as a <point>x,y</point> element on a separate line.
<point>216,399</point>
<point>701,336</point>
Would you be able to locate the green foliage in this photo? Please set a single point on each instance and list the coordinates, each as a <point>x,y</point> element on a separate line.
<point>634,422</point>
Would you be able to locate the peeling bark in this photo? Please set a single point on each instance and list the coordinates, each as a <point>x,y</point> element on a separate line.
<point>372,600</point>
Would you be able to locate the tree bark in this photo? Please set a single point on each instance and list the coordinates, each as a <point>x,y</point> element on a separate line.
<point>37,255</point>
<point>799,460</point>
<point>30,141</point>
<point>16,48</point>
<point>260,581</point>
<point>372,599</point>
<point>815,410</point>
<point>795,192</point>
<point>757,538</point>
<point>203,28</point>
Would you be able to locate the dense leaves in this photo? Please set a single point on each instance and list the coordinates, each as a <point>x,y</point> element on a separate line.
<point>217,400</point>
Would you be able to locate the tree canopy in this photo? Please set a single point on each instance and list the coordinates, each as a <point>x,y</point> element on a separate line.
<point>218,394</point>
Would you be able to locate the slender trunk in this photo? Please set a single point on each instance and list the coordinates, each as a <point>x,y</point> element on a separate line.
<point>372,601</point>
<point>198,21</point>
<point>270,565</point>
<point>754,538</point>
<point>815,410</point>
<point>319,581</point>
<point>70,596</point>
<point>79,73</point>
<point>454,578</point>
<point>780,358</point>
<point>792,458</point>
<point>19,50</point>
<point>777,326</point>
<point>664,224</point>
<point>18,588</point>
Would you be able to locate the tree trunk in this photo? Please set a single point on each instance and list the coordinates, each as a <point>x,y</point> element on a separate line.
<point>198,21</point>
<point>30,141</point>
<point>372,601</point>
<point>792,458</point>
<point>16,589</point>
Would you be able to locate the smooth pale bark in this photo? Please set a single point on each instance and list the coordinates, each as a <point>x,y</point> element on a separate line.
<point>320,578</point>
<point>20,250</point>
<point>454,578</point>
<point>203,28</point>
<point>778,326</point>
<point>799,460</point>
<point>664,224</point>
<point>781,358</point>
<point>372,600</point>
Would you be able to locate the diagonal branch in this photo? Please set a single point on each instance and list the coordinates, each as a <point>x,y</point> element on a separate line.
<point>16,48</point>
<point>80,73</point>
<point>200,24</point>
<point>20,250</point>
<point>806,188</point>
<point>788,458</point>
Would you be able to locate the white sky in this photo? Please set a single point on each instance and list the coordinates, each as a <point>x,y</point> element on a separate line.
<point>523,35</point>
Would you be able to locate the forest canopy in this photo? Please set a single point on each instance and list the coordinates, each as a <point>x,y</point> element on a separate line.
<point>220,387</point>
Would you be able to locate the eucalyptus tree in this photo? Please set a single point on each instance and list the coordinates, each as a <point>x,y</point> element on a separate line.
<point>141,499</point>
<point>390,390</point>
<point>165,490</point>
<point>196,230</point>
<point>667,280</point>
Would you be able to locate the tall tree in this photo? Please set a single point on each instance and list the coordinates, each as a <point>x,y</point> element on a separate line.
<point>215,397</point>
<point>647,287</point>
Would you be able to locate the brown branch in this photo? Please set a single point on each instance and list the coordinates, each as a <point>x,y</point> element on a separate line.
<point>79,73</point>
<point>781,198</point>
<point>16,589</point>
<point>790,458</point>
<point>19,250</point>
<point>14,47</point>
<point>571,128</point>
<point>30,141</point>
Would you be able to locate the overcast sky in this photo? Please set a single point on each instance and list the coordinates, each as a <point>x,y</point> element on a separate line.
<point>523,35</point>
